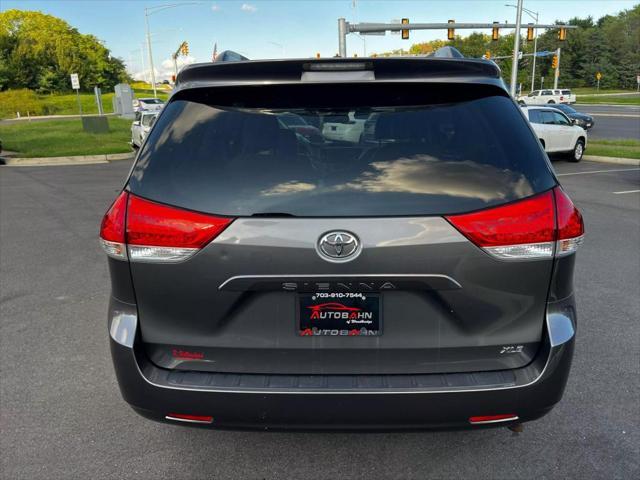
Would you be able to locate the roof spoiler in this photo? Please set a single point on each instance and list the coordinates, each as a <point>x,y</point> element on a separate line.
<point>447,52</point>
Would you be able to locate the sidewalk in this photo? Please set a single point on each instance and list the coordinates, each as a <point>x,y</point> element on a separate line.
<point>75,160</point>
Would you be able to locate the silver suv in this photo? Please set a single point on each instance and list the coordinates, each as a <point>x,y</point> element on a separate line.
<point>420,277</point>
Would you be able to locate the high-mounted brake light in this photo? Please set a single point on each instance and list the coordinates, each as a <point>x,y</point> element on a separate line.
<point>533,228</point>
<point>151,232</point>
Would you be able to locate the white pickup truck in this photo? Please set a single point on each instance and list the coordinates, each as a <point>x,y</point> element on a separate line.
<point>547,96</point>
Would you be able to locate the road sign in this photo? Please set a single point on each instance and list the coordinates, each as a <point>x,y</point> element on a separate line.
<point>75,81</point>
<point>598,76</point>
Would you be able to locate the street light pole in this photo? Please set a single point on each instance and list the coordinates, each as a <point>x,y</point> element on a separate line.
<point>516,51</point>
<point>153,73</point>
<point>533,15</point>
<point>150,11</point>
<point>535,50</point>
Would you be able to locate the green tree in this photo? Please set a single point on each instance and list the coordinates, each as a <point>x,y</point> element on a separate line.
<point>39,51</point>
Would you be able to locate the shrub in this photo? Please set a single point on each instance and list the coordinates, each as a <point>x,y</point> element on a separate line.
<point>23,100</point>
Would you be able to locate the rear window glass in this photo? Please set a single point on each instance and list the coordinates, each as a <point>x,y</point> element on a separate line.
<point>360,150</point>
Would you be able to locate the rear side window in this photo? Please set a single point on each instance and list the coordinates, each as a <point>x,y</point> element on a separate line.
<point>566,92</point>
<point>547,117</point>
<point>366,150</point>
<point>534,116</point>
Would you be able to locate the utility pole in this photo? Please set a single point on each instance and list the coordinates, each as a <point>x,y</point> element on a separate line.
<point>556,74</point>
<point>516,51</point>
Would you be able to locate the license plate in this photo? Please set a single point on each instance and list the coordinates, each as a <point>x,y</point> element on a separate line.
<point>339,314</point>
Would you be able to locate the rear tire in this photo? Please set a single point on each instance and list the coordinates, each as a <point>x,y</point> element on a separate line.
<point>578,151</point>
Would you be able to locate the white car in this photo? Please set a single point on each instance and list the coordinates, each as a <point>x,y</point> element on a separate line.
<point>547,96</point>
<point>556,132</point>
<point>141,126</point>
<point>147,104</point>
<point>347,129</point>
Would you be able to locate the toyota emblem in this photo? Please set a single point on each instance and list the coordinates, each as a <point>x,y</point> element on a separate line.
<point>339,246</point>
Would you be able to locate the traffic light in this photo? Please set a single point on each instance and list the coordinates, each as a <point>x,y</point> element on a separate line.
<point>405,33</point>
<point>184,49</point>
<point>451,32</point>
<point>495,33</point>
<point>562,34</point>
<point>487,54</point>
<point>554,62</point>
<point>530,33</point>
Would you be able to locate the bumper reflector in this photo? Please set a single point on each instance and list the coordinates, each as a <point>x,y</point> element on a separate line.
<point>482,419</point>
<point>182,417</point>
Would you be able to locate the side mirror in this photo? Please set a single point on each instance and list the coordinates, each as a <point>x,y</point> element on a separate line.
<point>136,123</point>
<point>574,121</point>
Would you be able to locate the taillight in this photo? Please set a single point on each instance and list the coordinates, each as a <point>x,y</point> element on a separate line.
<point>152,232</point>
<point>480,419</point>
<point>112,230</point>
<point>570,224</point>
<point>183,417</point>
<point>533,228</point>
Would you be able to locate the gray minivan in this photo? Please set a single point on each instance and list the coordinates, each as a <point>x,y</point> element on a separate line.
<point>419,276</point>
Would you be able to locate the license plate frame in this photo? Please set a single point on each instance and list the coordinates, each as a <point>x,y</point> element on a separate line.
<point>344,314</point>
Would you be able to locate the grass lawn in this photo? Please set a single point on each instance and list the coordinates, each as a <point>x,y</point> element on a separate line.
<point>602,91</point>
<point>610,99</point>
<point>58,138</point>
<point>614,148</point>
<point>67,103</point>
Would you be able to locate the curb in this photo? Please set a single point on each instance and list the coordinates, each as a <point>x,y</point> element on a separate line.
<point>71,160</point>
<point>617,160</point>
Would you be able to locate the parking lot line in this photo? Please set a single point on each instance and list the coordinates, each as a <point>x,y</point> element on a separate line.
<point>599,171</point>
<point>626,191</point>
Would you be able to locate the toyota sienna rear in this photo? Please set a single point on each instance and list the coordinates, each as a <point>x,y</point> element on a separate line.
<point>416,273</point>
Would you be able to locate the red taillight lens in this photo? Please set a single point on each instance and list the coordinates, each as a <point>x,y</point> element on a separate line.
<point>113,227</point>
<point>154,224</point>
<point>112,230</point>
<point>570,224</point>
<point>525,229</point>
<point>183,417</point>
<point>506,417</point>
<point>153,232</point>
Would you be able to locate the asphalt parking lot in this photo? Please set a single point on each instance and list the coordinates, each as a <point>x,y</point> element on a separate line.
<point>62,415</point>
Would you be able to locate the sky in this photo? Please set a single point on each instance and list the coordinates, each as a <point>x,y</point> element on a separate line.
<point>277,29</point>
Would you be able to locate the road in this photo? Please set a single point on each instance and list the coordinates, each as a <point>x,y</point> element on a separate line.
<point>63,417</point>
<point>613,121</point>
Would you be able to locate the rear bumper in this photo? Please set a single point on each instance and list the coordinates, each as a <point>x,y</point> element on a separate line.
<point>344,402</point>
